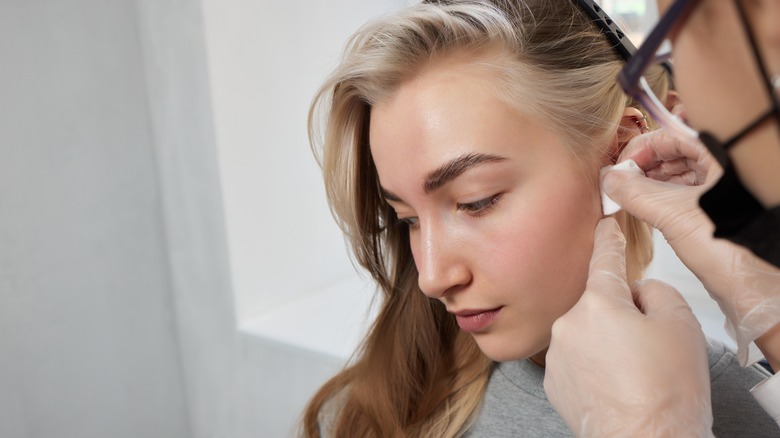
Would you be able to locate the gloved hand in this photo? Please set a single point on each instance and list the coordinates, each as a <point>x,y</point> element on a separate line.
<point>746,288</point>
<point>618,366</point>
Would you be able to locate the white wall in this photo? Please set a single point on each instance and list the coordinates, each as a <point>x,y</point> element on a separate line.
<point>170,34</point>
<point>116,313</point>
<point>115,309</point>
<point>88,344</point>
<point>266,59</point>
<point>298,302</point>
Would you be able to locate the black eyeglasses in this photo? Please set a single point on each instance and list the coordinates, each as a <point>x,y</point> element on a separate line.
<point>632,76</point>
<point>632,79</point>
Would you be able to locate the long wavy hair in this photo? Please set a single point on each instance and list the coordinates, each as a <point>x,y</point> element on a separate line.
<point>416,374</point>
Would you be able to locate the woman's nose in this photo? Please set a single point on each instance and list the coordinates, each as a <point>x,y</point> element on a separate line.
<point>441,262</point>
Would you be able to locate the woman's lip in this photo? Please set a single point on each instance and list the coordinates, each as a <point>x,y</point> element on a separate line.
<point>469,312</point>
<point>475,320</point>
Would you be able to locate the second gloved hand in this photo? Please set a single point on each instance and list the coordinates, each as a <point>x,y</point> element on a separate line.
<point>621,365</point>
<point>746,288</point>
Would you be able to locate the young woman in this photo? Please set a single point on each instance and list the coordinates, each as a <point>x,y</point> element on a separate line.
<point>461,148</point>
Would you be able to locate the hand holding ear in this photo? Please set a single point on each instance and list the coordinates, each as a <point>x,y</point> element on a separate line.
<point>746,288</point>
<point>677,174</point>
<point>628,361</point>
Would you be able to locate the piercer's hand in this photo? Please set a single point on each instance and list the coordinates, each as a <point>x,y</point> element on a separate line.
<point>623,365</point>
<point>746,288</point>
<point>677,173</point>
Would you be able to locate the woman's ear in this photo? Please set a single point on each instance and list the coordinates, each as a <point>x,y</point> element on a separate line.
<point>632,123</point>
<point>672,100</point>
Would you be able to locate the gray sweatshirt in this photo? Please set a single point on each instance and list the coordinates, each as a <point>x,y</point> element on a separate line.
<point>515,404</point>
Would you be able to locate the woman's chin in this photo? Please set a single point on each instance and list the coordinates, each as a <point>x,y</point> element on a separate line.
<point>503,351</point>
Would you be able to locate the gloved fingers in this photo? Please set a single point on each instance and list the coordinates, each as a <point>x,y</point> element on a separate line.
<point>607,274</point>
<point>660,300</point>
<point>649,149</point>
<point>658,147</point>
<point>678,169</point>
<point>689,178</point>
<point>655,295</point>
<point>654,202</point>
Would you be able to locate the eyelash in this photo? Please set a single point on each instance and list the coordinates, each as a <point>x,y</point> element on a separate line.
<point>476,209</point>
<point>410,222</point>
<point>480,207</point>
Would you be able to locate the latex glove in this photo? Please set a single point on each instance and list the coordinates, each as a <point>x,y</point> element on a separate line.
<point>746,287</point>
<point>616,368</point>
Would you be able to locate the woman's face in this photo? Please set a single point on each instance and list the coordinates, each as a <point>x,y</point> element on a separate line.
<point>501,215</point>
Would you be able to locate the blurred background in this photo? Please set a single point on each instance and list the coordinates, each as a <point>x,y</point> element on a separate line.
<point>168,264</point>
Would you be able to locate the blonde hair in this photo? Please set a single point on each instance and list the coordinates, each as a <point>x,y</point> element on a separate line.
<point>417,374</point>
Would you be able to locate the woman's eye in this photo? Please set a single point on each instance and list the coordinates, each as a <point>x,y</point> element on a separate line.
<point>479,207</point>
<point>411,222</point>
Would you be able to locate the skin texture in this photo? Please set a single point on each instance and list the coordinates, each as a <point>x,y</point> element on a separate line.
<point>514,233</point>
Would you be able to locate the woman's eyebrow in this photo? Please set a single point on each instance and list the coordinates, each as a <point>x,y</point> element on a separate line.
<point>455,167</point>
<point>448,172</point>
